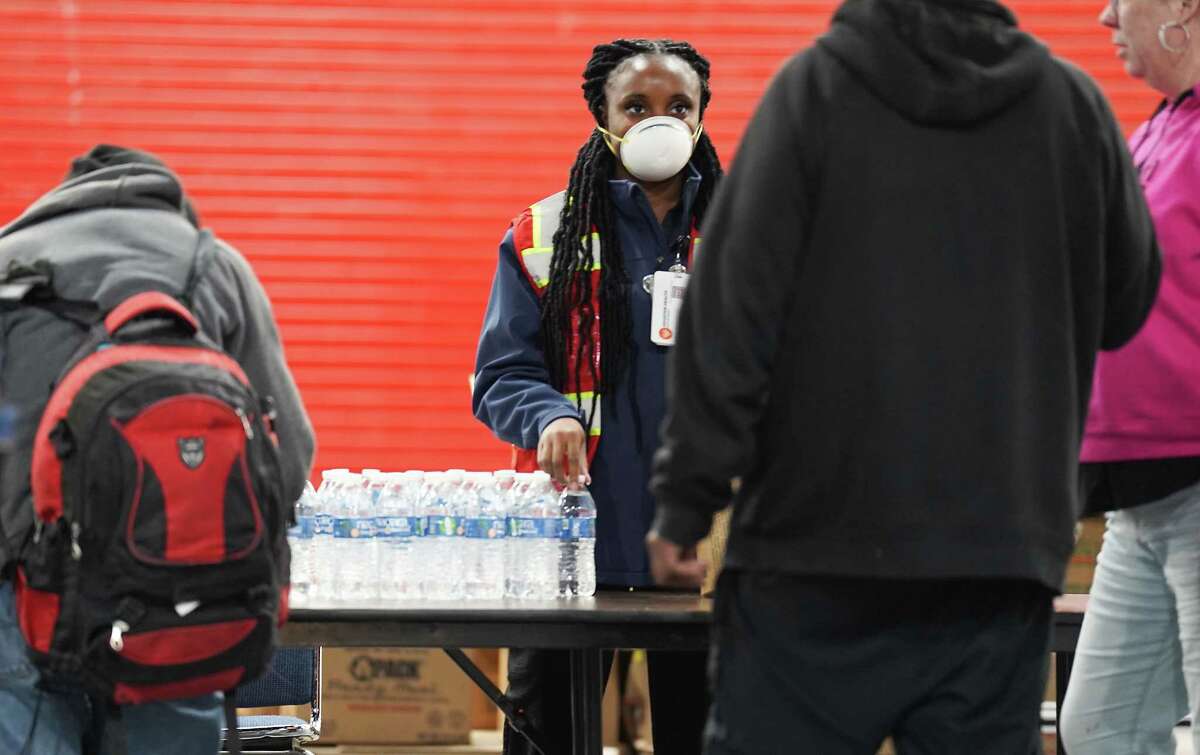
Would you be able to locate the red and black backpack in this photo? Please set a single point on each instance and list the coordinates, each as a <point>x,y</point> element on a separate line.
<point>158,565</point>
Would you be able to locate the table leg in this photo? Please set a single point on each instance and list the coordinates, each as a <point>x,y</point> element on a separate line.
<point>1062,676</point>
<point>587,677</point>
<point>513,716</point>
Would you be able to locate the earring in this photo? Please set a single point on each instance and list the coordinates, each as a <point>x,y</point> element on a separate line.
<point>1170,26</point>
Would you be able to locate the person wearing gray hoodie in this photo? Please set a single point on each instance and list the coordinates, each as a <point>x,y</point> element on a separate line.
<point>930,228</point>
<point>120,223</point>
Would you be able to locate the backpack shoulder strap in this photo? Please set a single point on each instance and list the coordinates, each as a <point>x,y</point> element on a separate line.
<point>201,259</point>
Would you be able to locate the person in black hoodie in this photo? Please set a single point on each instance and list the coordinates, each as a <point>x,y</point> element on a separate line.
<point>930,228</point>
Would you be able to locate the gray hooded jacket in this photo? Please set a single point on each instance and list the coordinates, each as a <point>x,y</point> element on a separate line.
<point>107,234</point>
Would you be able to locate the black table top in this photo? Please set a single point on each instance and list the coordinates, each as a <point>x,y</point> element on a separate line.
<point>655,620</point>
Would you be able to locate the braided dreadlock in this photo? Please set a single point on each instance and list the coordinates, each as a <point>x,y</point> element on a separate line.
<point>567,304</point>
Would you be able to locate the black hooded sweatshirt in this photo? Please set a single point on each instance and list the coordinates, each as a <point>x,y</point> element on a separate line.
<point>930,228</point>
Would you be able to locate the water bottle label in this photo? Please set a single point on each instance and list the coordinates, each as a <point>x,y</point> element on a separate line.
<point>534,527</point>
<point>445,526</point>
<point>364,527</point>
<point>357,528</point>
<point>304,528</point>
<point>484,528</point>
<point>576,528</point>
<point>399,526</point>
<point>323,524</point>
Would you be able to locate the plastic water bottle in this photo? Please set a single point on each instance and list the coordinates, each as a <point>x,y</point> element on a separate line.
<point>444,535</point>
<point>539,525</point>
<point>300,542</point>
<point>409,560</point>
<point>520,543</point>
<point>354,542</point>
<point>577,546</point>
<point>464,504</point>
<point>323,557</point>
<point>397,526</point>
<point>364,511</point>
<point>485,528</point>
<point>374,480</point>
<point>338,507</point>
<point>389,534</point>
<point>423,551</point>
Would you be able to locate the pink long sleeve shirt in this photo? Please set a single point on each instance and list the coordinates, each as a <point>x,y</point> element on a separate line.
<point>1146,395</point>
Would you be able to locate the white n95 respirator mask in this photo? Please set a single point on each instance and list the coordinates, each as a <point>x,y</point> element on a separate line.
<point>656,148</point>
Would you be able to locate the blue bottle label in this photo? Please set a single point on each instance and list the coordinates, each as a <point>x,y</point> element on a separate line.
<point>357,528</point>
<point>445,526</point>
<point>364,527</point>
<point>384,527</point>
<point>304,528</point>
<point>578,528</point>
<point>323,524</point>
<point>395,526</point>
<point>534,527</point>
<point>484,528</point>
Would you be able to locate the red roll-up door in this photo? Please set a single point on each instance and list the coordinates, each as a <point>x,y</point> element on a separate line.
<point>366,156</point>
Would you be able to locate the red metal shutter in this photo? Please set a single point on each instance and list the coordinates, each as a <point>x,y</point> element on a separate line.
<point>367,155</point>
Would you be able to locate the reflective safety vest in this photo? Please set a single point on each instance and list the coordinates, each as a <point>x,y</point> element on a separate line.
<point>533,238</point>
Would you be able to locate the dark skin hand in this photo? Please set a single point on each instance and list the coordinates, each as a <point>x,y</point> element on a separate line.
<point>562,450</point>
<point>641,87</point>
<point>674,565</point>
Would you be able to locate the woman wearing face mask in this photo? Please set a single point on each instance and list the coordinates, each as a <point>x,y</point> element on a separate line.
<point>1137,669</point>
<point>568,338</point>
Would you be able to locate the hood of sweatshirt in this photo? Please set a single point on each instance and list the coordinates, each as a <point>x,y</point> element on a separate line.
<point>110,177</point>
<point>937,62</point>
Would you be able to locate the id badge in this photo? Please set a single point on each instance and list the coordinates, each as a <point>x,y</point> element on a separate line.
<point>669,288</point>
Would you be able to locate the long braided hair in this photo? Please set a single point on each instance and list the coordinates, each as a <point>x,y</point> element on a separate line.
<point>567,305</point>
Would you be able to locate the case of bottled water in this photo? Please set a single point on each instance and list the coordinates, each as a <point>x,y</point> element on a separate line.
<point>361,539</point>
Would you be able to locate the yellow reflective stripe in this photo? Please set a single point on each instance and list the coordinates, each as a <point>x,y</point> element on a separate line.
<point>537,262</point>
<point>536,212</point>
<point>585,399</point>
<point>595,248</point>
<point>695,248</point>
<point>544,216</point>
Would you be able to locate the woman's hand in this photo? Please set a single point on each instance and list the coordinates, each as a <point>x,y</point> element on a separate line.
<point>562,451</point>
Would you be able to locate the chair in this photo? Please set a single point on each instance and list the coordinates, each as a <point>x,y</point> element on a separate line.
<point>293,677</point>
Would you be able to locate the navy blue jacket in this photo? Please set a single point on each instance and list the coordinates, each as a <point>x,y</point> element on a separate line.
<point>513,395</point>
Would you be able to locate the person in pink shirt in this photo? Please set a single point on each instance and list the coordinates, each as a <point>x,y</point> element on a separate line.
<point>1137,667</point>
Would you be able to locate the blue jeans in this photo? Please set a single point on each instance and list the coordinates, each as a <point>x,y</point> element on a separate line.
<point>1137,664</point>
<point>54,723</point>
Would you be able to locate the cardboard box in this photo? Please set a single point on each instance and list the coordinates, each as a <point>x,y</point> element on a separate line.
<point>394,696</point>
<point>1082,566</point>
<point>711,550</point>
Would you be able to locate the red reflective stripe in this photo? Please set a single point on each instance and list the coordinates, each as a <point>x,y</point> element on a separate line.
<point>522,240</point>
<point>178,645</point>
<point>127,694</point>
<point>46,468</point>
<point>144,303</point>
<point>37,612</point>
<point>525,459</point>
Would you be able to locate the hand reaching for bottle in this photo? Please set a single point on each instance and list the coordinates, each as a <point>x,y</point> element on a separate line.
<point>562,451</point>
